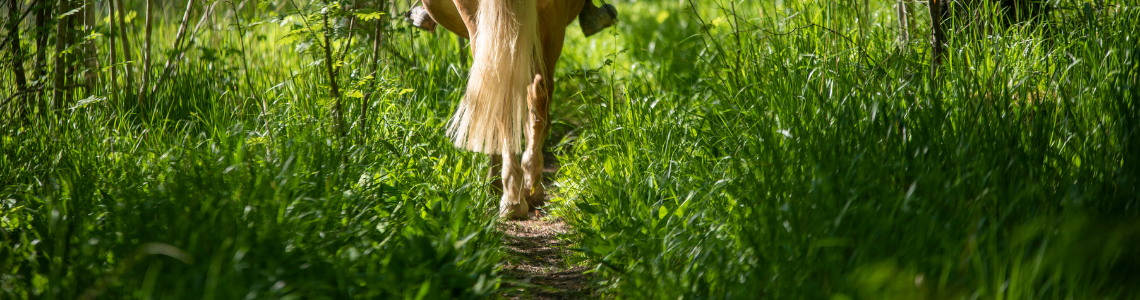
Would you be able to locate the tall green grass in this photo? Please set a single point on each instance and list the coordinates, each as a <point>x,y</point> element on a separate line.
<point>781,151</point>
<point>231,183</point>
<point>729,150</point>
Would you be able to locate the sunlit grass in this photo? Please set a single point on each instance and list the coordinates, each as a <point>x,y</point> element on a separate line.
<point>794,161</point>
<point>232,184</point>
<point>788,151</point>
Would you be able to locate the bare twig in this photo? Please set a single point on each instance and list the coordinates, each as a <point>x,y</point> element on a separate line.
<point>34,89</point>
<point>351,34</point>
<point>244,61</point>
<point>811,24</point>
<point>21,19</point>
<point>179,47</point>
<point>704,26</point>
<point>377,40</point>
<point>396,54</point>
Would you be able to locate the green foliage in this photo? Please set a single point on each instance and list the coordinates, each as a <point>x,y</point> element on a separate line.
<point>232,185</point>
<point>743,149</point>
<point>795,161</point>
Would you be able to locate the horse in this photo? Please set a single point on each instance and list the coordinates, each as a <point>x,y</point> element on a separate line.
<point>515,45</point>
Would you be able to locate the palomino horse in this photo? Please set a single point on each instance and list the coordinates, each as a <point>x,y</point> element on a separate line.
<point>515,45</point>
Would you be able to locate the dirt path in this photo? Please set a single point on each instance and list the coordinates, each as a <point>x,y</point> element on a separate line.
<point>537,258</point>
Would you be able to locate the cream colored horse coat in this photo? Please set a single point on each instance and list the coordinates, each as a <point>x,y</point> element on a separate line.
<point>515,45</point>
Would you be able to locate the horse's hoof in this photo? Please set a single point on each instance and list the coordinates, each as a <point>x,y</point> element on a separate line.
<point>515,214</point>
<point>517,211</point>
<point>537,197</point>
<point>595,21</point>
<point>420,18</point>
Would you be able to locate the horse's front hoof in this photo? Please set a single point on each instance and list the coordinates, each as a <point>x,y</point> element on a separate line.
<point>594,21</point>
<point>420,18</point>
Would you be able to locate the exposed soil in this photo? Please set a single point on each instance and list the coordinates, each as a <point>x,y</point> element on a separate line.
<point>537,262</point>
<point>537,266</point>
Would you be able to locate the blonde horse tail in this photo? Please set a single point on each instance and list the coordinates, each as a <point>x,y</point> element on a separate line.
<point>506,50</point>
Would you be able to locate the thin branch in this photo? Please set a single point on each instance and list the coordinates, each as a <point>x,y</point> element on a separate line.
<point>244,61</point>
<point>397,54</point>
<point>305,19</point>
<point>179,47</point>
<point>21,19</point>
<point>377,39</point>
<point>36,89</point>
<point>351,26</point>
<point>811,24</point>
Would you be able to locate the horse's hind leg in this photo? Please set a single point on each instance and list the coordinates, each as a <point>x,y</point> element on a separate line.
<point>532,160</point>
<point>539,95</point>
<point>511,205</point>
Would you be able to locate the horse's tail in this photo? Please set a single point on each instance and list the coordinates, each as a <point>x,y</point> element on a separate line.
<point>506,51</point>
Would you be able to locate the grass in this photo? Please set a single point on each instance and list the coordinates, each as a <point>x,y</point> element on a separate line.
<point>732,150</point>
<point>788,160</point>
<point>206,195</point>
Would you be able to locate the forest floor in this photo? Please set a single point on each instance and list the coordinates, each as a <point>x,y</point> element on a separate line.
<point>537,264</point>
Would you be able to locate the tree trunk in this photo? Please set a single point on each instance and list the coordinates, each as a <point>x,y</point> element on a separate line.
<point>90,52</point>
<point>39,75</point>
<point>938,36</point>
<point>377,42</point>
<point>17,53</point>
<point>70,80</point>
<point>113,58</point>
<point>146,58</point>
<point>17,61</point>
<point>378,37</point>
<point>905,14</point>
<point>864,20</point>
<point>125,43</point>
<point>335,93</point>
<point>60,61</point>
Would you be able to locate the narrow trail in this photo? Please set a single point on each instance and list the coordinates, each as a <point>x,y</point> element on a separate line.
<point>537,260</point>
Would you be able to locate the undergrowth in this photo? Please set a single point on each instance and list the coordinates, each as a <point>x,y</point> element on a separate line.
<point>232,182</point>
<point>807,156</point>
<point>733,150</point>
